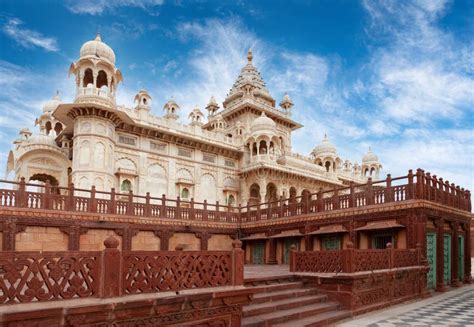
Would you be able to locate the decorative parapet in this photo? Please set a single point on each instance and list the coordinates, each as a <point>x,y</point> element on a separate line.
<point>390,191</point>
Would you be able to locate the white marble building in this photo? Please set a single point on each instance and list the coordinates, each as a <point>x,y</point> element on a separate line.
<point>242,153</point>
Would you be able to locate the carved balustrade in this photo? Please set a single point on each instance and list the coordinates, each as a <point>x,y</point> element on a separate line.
<point>353,260</point>
<point>27,277</point>
<point>420,186</point>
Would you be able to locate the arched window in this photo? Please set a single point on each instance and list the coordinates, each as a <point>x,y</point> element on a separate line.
<point>231,200</point>
<point>328,165</point>
<point>372,171</point>
<point>185,193</point>
<point>366,171</point>
<point>58,128</point>
<point>48,127</point>
<point>88,78</point>
<point>101,79</point>
<point>292,194</point>
<point>126,186</point>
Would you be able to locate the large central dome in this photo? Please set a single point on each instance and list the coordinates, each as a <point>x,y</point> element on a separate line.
<point>97,49</point>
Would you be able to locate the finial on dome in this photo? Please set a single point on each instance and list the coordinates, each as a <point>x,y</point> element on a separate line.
<point>97,36</point>
<point>249,55</point>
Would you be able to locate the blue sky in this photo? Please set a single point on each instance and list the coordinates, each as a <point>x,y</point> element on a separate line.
<point>394,75</point>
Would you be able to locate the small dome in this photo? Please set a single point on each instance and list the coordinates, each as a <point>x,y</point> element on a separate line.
<point>370,157</point>
<point>97,48</point>
<point>325,147</point>
<point>262,123</point>
<point>52,104</point>
<point>212,102</point>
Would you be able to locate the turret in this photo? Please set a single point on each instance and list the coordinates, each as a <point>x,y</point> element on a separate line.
<point>171,109</point>
<point>96,74</point>
<point>212,107</point>
<point>196,117</point>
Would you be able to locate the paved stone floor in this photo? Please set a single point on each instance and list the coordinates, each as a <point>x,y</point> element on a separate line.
<point>257,271</point>
<point>453,308</point>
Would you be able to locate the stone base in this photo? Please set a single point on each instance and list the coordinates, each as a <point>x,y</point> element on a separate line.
<point>220,306</point>
<point>367,291</point>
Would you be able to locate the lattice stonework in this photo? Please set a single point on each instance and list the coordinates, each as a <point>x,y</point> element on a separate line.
<point>32,276</point>
<point>319,261</point>
<point>366,260</point>
<point>169,271</point>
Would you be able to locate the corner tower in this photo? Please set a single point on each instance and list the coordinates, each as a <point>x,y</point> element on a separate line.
<point>95,72</point>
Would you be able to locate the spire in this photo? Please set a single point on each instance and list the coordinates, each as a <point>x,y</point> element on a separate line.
<point>97,37</point>
<point>249,55</point>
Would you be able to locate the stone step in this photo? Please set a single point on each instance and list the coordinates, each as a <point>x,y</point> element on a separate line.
<point>255,281</point>
<point>269,319</point>
<point>266,307</point>
<point>323,319</point>
<point>281,295</point>
<point>276,287</point>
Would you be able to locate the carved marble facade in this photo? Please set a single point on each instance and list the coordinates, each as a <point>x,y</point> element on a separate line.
<point>242,153</point>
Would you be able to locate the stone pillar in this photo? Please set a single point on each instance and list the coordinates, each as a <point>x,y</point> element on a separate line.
<point>439,223</point>
<point>127,235</point>
<point>164,236</point>
<point>204,238</point>
<point>9,230</point>
<point>74,235</point>
<point>455,256</point>
<point>308,242</point>
<point>467,254</point>
<point>272,255</point>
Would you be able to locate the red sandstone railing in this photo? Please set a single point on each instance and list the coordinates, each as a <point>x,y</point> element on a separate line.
<point>45,276</point>
<point>413,186</point>
<point>352,260</point>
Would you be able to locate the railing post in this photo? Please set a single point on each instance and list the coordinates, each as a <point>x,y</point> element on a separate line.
<point>147,205</point>
<point>391,256</point>
<point>217,215</point>
<point>22,200</point>
<point>130,206</point>
<point>240,213</point>
<point>292,258</point>
<point>237,263</point>
<point>248,211</point>
<point>178,208</point>
<point>204,212</point>
<point>468,204</point>
<point>410,190</point>
<point>419,184</point>
<point>46,203</point>
<point>352,202</point>
<point>258,212</point>
<point>163,206</point>
<point>282,201</point>
<point>348,257</point>
<point>335,199</point>
<point>369,194</point>
<point>447,189</point>
<point>320,201</point>
<point>458,197</point>
<point>191,209</point>
<point>111,261</point>
<point>113,205</point>
<point>428,187</point>
<point>93,204</point>
<point>388,189</point>
<point>70,198</point>
<point>442,192</point>
<point>435,188</point>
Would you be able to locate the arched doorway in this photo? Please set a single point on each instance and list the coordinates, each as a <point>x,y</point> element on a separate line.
<point>292,195</point>
<point>41,179</point>
<point>254,194</point>
<point>271,195</point>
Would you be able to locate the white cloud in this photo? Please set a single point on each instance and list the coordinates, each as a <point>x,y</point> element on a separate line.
<point>421,74</point>
<point>28,38</point>
<point>98,7</point>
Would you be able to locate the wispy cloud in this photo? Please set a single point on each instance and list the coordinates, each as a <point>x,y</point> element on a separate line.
<point>27,38</point>
<point>98,7</point>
